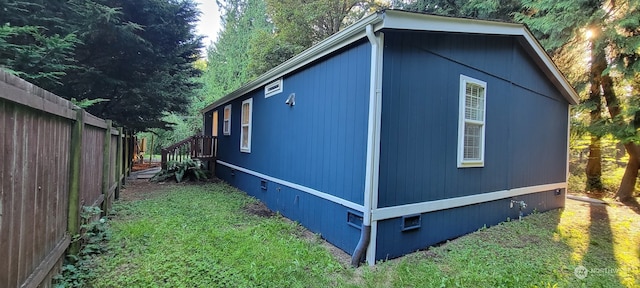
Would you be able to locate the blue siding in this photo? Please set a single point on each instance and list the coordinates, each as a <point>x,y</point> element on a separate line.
<point>316,214</point>
<point>321,141</point>
<point>443,225</point>
<point>525,128</point>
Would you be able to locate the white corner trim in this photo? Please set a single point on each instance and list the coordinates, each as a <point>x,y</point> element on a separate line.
<point>311,191</point>
<point>568,148</point>
<point>436,205</point>
<point>371,249</point>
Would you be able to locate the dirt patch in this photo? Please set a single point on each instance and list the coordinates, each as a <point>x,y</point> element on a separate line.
<point>144,166</point>
<point>259,209</point>
<point>140,189</point>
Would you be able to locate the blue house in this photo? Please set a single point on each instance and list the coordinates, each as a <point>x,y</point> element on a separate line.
<point>401,131</point>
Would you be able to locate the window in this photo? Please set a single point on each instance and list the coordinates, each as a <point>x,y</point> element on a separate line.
<point>273,88</point>
<point>471,123</point>
<point>214,123</point>
<point>245,132</point>
<point>226,121</point>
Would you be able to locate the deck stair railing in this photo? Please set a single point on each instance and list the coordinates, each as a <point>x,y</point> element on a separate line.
<point>202,147</point>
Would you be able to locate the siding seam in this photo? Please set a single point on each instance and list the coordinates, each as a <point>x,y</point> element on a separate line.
<point>485,72</point>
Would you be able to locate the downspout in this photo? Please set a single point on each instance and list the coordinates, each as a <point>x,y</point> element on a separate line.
<point>365,235</point>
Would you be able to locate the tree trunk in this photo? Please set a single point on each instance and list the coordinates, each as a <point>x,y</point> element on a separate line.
<point>593,170</point>
<point>594,166</point>
<point>628,183</point>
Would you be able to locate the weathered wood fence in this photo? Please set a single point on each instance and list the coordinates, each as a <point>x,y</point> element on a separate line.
<point>54,159</point>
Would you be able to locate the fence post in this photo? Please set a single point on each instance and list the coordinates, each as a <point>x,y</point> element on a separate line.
<point>119,172</point>
<point>75,163</point>
<point>126,158</point>
<point>106,168</point>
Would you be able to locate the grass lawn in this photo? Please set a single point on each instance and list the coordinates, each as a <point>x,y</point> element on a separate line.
<point>211,236</point>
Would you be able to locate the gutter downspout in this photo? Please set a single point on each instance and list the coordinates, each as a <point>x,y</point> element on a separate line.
<point>365,237</point>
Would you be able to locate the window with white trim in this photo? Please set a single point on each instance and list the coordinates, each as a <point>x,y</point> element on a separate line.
<point>226,120</point>
<point>471,125</point>
<point>245,123</point>
<point>214,123</point>
<point>273,88</point>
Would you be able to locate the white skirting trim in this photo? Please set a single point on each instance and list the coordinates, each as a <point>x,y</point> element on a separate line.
<point>430,206</point>
<point>311,191</point>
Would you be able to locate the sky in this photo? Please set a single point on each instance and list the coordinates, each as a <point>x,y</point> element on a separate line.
<point>209,24</point>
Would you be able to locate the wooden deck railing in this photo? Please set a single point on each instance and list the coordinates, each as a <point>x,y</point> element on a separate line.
<point>201,147</point>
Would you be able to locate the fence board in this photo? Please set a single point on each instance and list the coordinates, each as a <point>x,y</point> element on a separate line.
<point>91,171</point>
<point>35,139</point>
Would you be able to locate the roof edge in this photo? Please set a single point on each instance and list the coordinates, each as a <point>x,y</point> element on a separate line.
<point>399,19</point>
<point>339,40</point>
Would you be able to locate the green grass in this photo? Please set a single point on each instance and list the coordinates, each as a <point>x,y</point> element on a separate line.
<point>200,236</point>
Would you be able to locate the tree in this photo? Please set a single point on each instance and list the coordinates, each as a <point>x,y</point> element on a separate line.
<point>299,25</point>
<point>480,9</point>
<point>35,43</point>
<point>228,61</point>
<point>614,35</point>
<point>138,55</point>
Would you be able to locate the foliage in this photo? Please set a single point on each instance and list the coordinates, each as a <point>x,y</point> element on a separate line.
<point>94,234</point>
<point>601,31</point>
<point>481,9</point>
<point>298,27</point>
<point>137,54</point>
<point>86,103</point>
<point>34,43</point>
<point>178,171</point>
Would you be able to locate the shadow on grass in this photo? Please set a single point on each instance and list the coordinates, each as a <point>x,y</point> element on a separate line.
<point>601,260</point>
<point>633,205</point>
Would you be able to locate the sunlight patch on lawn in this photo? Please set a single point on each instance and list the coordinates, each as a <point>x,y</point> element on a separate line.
<point>573,230</point>
<point>626,249</point>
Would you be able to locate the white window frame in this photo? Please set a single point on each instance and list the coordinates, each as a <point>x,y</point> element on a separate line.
<point>463,121</point>
<point>273,88</point>
<point>246,149</point>
<point>226,122</point>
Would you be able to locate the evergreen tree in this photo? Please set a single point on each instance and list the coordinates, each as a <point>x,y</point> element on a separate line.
<point>480,9</point>
<point>609,32</point>
<point>35,42</point>
<point>137,55</point>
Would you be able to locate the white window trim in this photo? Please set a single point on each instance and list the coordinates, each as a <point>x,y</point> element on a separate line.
<point>462,163</point>
<point>242,125</point>
<point>226,130</point>
<point>273,88</point>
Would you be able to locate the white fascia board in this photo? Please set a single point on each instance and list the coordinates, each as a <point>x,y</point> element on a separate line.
<point>403,20</point>
<point>443,204</point>
<point>339,40</point>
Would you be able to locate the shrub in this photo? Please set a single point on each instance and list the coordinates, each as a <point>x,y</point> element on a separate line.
<point>187,169</point>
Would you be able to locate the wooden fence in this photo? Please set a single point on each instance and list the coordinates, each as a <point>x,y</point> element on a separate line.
<point>54,159</point>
